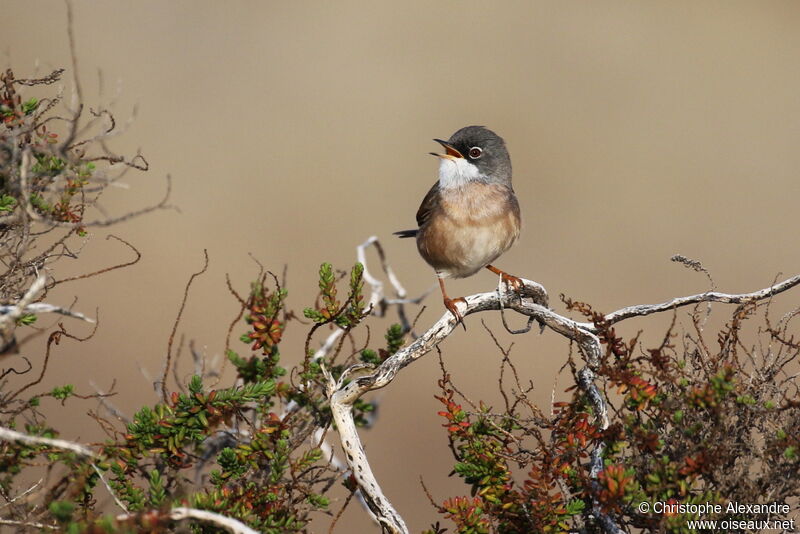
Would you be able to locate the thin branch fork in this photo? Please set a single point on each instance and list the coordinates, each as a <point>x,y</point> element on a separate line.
<point>9,314</point>
<point>343,394</point>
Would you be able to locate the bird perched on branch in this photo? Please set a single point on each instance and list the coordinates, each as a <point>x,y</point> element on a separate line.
<point>471,215</point>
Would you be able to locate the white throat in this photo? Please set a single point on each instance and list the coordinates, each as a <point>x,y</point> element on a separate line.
<point>457,172</point>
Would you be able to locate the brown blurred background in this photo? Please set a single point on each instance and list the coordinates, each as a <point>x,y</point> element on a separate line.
<point>294,130</point>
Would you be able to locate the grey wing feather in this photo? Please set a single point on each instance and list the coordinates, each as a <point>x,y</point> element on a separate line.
<point>429,203</point>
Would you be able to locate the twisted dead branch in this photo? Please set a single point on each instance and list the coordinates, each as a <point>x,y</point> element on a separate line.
<point>377,304</point>
<point>530,302</point>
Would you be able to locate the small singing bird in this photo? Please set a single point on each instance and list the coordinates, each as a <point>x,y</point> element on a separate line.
<point>471,215</point>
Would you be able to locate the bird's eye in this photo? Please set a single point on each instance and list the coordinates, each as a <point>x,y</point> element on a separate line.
<point>475,152</point>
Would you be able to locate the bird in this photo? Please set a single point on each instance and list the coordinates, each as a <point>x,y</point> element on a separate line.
<point>471,215</point>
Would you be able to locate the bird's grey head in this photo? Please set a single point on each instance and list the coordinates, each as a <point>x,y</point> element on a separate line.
<point>474,153</point>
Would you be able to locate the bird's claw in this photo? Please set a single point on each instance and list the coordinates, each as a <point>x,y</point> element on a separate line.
<point>450,304</point>
<point>513,282</point>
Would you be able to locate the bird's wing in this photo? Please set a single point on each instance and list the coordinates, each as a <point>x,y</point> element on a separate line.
<point>429,203</point>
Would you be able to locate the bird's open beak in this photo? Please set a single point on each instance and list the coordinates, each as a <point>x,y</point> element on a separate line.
<point>450,152</point>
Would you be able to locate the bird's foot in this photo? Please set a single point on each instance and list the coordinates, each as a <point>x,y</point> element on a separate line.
<point>450,304</point>
<point>513,282</point>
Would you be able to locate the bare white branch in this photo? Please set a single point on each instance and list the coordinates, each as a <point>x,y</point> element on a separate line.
<point>13,523</point>
<point>6,434</point>
<point>378,301</point>
<point>43,307</point>
<point>711,296</point>
<point>9,318</point>
<point>9,314</point>
<point>377,304</point>
<point>228,523</point>
<point>528,302</point>
<point>108,487</point>
<point>107,404</point>
<point>232,525</point>
<point>378,505</point>
<point>343,394</point>
<point>23,494</point>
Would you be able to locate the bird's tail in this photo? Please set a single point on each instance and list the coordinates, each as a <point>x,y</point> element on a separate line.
<point>407,233</point>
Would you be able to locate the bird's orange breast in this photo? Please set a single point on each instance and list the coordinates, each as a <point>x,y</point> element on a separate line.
<point>473,226</point>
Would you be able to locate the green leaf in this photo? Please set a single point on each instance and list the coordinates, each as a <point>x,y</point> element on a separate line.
<point>27,319</point>
<point>311,313</point>
<point>38,202</point>
<point>157,492</point>
<point>575,506</point>
<point>196,385</point>
<point>62,510</point>
<point>7,203</point>
<point>318,501</point>
<point>394,338</point>
<point>327,286</point>
<point>370,356</point>
<point>63,392</point>
<point>30,106</point>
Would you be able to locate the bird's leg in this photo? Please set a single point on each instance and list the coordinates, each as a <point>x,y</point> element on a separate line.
<point>450,304</point>
<point>515,283</point>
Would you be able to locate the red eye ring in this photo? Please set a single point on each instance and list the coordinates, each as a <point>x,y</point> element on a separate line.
<point>475,152</point>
